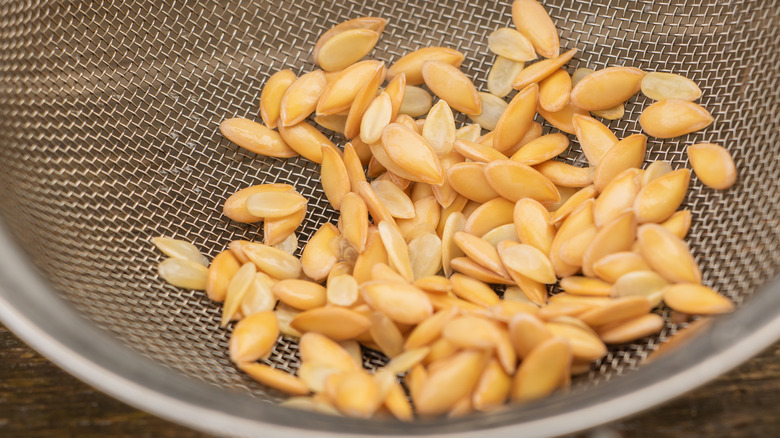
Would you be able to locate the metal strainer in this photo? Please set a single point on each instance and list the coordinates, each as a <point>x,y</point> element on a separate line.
<point>108,137</point>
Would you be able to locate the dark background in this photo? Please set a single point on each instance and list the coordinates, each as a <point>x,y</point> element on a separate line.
<point>38,399</point>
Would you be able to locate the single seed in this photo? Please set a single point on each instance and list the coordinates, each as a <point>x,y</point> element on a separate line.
<point>480,251</point>
<point>606,88</point>
<point>573,201</point>
<point>614,266</point>
<point>259,298</point>
<point>346,48</point>
<point>530,262</point>
<point>579,219</point>
<point>554,91</point>
<point>337,323</point>
<point>492,389</point>
<point>397,202</point>
<point>182,273</point>
<point>655,170</point>
<point>469,133</point>
<point>274,204</point>
<point>416,101</point>
<point>514,181</point>
<point>563,119</point>
<point>401,302</point>
<point>300,294</point>
<point>425,255</point>
<point>220,272</point>
<point>411,64</point>
<point>271,96</point>
<point>615,236</point>
<point>660,86</point>
<point>643,283</point>
<point>660,198</point>
<point>396,89</point>
<point>306,140</point>
<point>274,378</point>
<point>631,330</point>
<point>412,153</point>
<point>613,113</point>
<point>511,44</point>
<point>341,92</point>
<point>561,174</point>
<point>235,206</point>
<point>532,20</point>
<point>489,215</point>
<point>595,138</point>
<point>538,71</point>
<point>713,165</point>
<point>617,197</point>
<point>397,249</point>
<point>386,335</point>
<point>469,180</point>
<point>695,299</point>
<point>619,309</point>
<point>667,254</point>
<point>334,177</point>
<point>533,225</point>
<point>470,268</point>
<point>452,85</point>
<point>585,345</point>
<point>439,128</point>
<point>542,371</point>
<point>671,118</point>
<point>438,393</point>
<point>626,154</point>
<point>253,337</point>
<point>319,350</point>
<point>502,73</point>
<point>679,223</point>
<point>180,249</point>
<point>541,149</point>
<point>449,249</point>
<point>357,395</point>
<point>321,252</point>
<point>493,108</point>
<point>376,24</point>
<point>354,218</point>
<point>473,291</point>
<point>335,122</point>
<point>516,119</point>
<point>586,286</point>
<point>375,118</point>
<point>477,152</point>
<point>276,230</point>
<point>300,99</point>
<point>500,234</point>
<point>256,138</point>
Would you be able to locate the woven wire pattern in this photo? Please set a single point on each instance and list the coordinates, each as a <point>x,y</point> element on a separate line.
<point>108,132</point>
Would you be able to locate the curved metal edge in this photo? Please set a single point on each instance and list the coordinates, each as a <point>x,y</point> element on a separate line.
<point>49,324</point>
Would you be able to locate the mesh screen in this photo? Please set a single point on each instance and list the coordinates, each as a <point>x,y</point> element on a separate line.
<point>108,136</point>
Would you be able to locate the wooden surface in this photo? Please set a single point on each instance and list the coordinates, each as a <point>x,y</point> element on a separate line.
<point>37,399</point>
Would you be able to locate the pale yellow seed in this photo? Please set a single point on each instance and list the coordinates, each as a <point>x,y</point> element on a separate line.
<point>713,165</point>
<point>594,137</point>
<point>235,206</point>
<point>667,254</point>
<point>320,350</point>
<point>374,253</point>
<point>477,152</point>
<point>516,119</point>
<point>566,175</point>
<point>439,128</point>
<point>542,371</point>
<point>469,180</point>
<point>532,20</point>
<point>660,86</point>
<point>500,234</point>
<point>334,177</point>
<point>492,389</point>
<point>354,219</point>
<point>397,202</point>
<point>182,273</point>
<point>575,199</point>
<point>346,48</point>
<point>537,71</point>
<point>445,194</point>
<point>473,290</point>
<point>365,95</point>
<point>300,294</point>
<point>493,108</point>
<point>425,255</point>
<point>288,245</point>
<point>579,75</point>
<point>469,133</point>
<point>586,286</point>
<point>554,91</point>
<point>427,217</point>
<point>438,393</point>
<point>220,272</point>
<point>275,204</point>
<point>236,290</point>
<point>660,198</point>
<point>614,266</point>
<point>285,315</point>
<point>341,92</point>
<point>274,378</point>
<point>533,225</point>
<point>396,89</point>
<point>585,345</point>
<point>411,64</point>
<point>626,154</point>
<point>180,249</point>
<point>514,181</point>
<point>449,249</point>
<point>606,88</point>
<point>300,99</point>
<point>412,153</point>
<point>259,298</point>
<point>502,73</point>
<point>526,332</point>
<point>386,335</point>
<point>337,323</point>
<point>643,283</point>
<point>376,117</point>
<point>416,101</point>
<point>489,215</point>
<point>334,122</point>
<point>655,170</point>
<point>470,268</point>
<point>277,230</point>
<point>397,249</point>
<point>470,331</point>
<point>579,219</point>
<point>671,118</point>
<point>271,96</point>
<point>357,395</point>
<point>617,197</point>
<point>679,223</point>
<point>254,337</point>
<point>563,119</point>
<point>573,250</point>
<point>530,262</point>
<point>376,24</point>
<point>619,309</point>
<point>511,44</point>
<point>631,330</point>
<point>695,299</point>
<point>452,85</point>
<point>615,236</point>
<point>480,251</point>
<point>342,290</point>
<point>401,302</point>
<point>321,252</point>
<point>256,138</point>
<point>613,113</point>
<point>541,149</point>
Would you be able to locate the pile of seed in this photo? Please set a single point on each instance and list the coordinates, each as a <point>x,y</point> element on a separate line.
<point>432,216</point>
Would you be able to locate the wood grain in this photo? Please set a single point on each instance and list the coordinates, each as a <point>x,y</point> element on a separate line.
<point>38,399</point>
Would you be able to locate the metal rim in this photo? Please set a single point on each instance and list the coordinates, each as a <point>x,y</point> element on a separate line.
<point>35,313</point>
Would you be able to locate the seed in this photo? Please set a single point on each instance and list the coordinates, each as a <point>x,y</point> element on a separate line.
<point>606,88</point>
<point>533,225</point>
<point>619,309</point>
<point>342,290</point>
<point>480,251</point>
<point>430,329</point>
<point>273,261</point>
<point>300,294</point>
<point>183,273</point>
<point>220,272</point>
<point>590,301</point>
<point>614,266</point>
<point>489,215</point>
<point>695,299</point>
<point>374,253</point>
<point>376,117</point>
<point>667,254</point>
<point>253,337</point>
<point>397,403</point>
<point>626,154</point>
<point>409,122</point>
<point>449,249</point>
<point>613,113</point>
<point>427,217</point>
<point>538,71</point>
<point>470,332</point>
<point>434,284</point>
<point>502,73</point>
<point>285,314</point>
<point>530,262</point>
<point>526,332</point>
<point>516,118</point>
<point>365,95</point>
<point>674,117</point>
<point>288,245</point>
<point>655,170</point>
<point>532,20</point>
<point>346,48</point>
<point>644,283</point>
<point>412,153</point>
<point>337,323</point>
<point>336,122</point>
<point>376,24</point>
<point>586,286</point>
<point>492,389</point>
<point>469,133</point>
<point>574,201</point>
<point>300,99</point>
<point>660,198</point>
<point>256,138</point>
<point>271,96</point>
<point>306,140</point>
<point>277,230</point>
<point>541,149</point>
<point>319,379</point>
<point>377,209</point>
<point>236,248</point>
<point>555,311</point>
<point>554,91</point>
<point>631,330</point>
<point>274,378</point>
<point>565,175</point>
<point>477,152</point>
<point>542,371</point>
<point>679,223</point>
<point>357,395</point>
<point>579,219</point>
<point>452,86</point>
<point>412,63</point>
<point>473,290</point>
<point>319,350</point>
<point>407,360</point>
<point>595,138</point>
<point>340,93</point>
<point>514,181</point>
<point>386,335</point>
<point>321,252</point>
<point>397,249</point>
<point>713,165</point>
<point>397,202</point>
<point>660,86</point>
<point>468,179</point>
<point>444,193</point>
<point>416,101</point>
<point>573,250</point>
<point>493,108</point>
<point>584,345</point>
<point>396,89</point>
<point>401,302</point>
<point>616,236</point>
<point>439,128</point>
<point>511,44</point>
<point>470,268</point>
<point>259,298</point>
<point>334,177</point>
<point>450,383</point>
<point>354,166</point>
<point>235,206</point>
<point>563,119</point>
<point>275,204</point>
<point>354,218</point>
<point>500,234</point>
<point>617,197</point>
<point>180,249</point>
<point>425,255</point>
